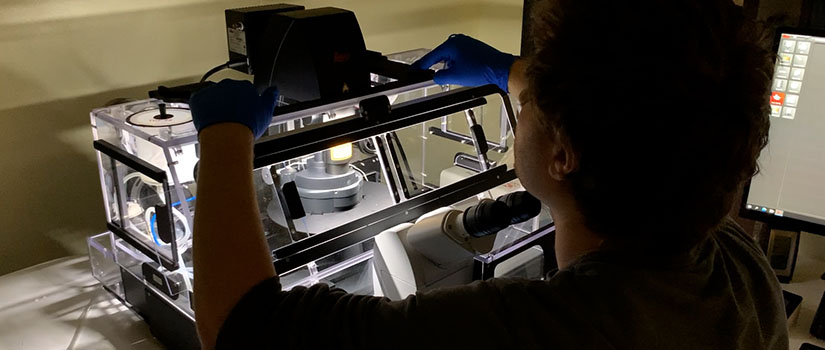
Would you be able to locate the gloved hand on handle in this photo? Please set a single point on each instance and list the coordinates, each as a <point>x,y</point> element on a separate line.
<point>468,62</point>
<point>233,101</point>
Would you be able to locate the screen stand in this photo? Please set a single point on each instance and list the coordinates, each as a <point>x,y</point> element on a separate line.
<point>783,247</point>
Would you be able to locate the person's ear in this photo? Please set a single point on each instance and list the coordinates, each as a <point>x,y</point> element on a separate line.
<point>563,160</point>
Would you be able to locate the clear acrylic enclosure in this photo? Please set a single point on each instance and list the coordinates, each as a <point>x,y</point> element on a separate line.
<point>149,212</point>
<point>102,259</point>
<point>314,193</point>
<point>148,159</point>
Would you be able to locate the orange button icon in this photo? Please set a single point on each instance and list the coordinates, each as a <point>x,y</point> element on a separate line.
<point>777,98</point>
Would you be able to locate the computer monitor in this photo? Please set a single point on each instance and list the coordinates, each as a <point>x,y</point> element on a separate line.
<point>789,191</point>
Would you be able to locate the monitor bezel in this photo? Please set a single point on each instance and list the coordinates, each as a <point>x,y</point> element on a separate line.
<point>781,222</point>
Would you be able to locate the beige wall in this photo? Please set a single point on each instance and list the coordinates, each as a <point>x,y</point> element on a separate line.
<point>61,58</point>
<point>499,23</point>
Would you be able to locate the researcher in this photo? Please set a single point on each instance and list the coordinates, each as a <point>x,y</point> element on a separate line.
<point>640,121</point>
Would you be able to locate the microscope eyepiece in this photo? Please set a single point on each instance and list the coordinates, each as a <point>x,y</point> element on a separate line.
<point>486,218</point>
<point>523,206</point>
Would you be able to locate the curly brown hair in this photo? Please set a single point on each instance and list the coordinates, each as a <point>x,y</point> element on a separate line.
<point>663,103</point>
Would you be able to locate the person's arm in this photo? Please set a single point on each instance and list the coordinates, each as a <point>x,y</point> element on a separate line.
<point>230,252</point>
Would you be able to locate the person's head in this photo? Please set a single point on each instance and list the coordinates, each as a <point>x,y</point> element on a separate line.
<point>649,114</point>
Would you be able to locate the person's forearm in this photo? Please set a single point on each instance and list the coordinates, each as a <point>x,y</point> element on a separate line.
<point>230,252</point>
<point>517,80</point>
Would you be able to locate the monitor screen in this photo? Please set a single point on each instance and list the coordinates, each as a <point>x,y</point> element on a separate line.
<point>790,187</point>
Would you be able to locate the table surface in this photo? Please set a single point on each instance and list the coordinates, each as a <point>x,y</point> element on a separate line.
<point>806,282</point>
<point>59,305</point>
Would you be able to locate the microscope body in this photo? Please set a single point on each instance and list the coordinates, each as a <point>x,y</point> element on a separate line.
<point>434,252</point>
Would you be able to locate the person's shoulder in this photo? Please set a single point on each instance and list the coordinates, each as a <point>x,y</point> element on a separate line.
<point>730,235</point>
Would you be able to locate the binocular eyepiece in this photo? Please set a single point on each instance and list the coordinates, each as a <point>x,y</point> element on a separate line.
<point>489,217</point>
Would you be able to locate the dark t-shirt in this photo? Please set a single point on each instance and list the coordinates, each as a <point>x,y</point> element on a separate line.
<point>721,295</point>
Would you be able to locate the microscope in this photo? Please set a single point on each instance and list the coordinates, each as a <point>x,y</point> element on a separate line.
<point>438,249</point>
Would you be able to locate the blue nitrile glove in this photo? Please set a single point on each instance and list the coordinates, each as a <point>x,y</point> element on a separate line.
<point>468,62</point>
<point>233,101</point>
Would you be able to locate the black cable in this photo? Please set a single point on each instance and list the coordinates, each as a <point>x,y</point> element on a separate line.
<point>228,64</point>
<point>401,179</point>
<point>404,159</point>
<point>214,70</point>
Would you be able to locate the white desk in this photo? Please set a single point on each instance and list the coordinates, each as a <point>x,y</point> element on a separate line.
<point>59,305</point>
<point>806,282</point>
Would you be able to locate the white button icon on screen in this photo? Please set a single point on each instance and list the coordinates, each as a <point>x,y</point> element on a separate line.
<point>785,59</point>
<point>797,73</point>
<point>803,47</point>
<point>795,86</point>
<point>780,84</point>
<point>788,45</point>
<point>800,60</point>
<point>788,112</point>
<point>791,100</point>
<point>783,72</point>
<point>776,111</point>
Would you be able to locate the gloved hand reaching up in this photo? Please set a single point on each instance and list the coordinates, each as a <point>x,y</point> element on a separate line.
<point>233,101</point>
<point>468,62</point>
